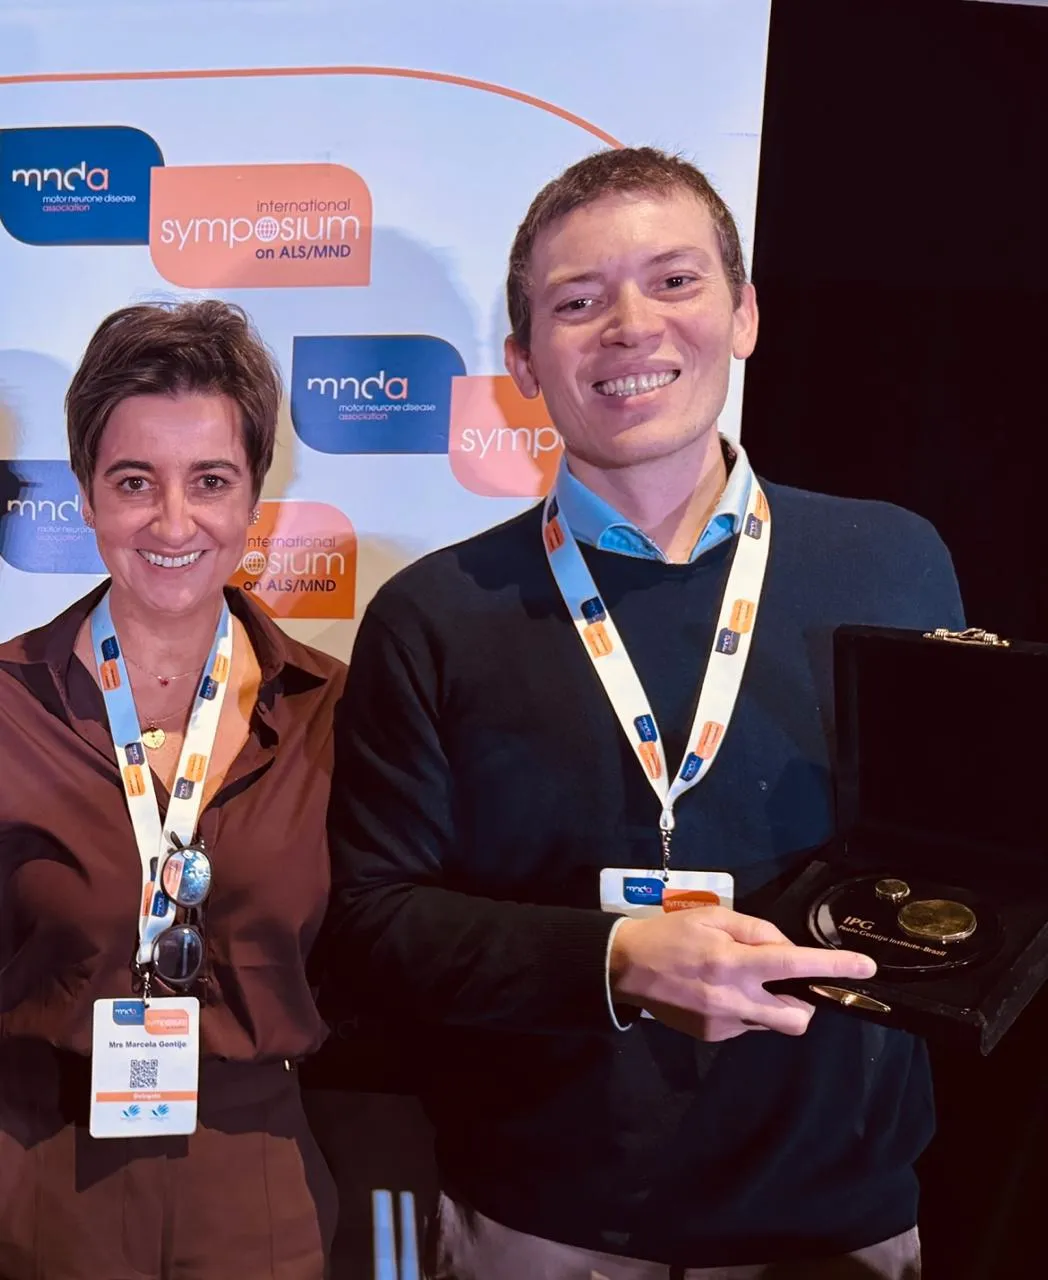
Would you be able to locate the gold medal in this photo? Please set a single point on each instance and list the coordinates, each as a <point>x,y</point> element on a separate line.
<point>892,890</point>
<point>937,920</point>
<point>154,737</point>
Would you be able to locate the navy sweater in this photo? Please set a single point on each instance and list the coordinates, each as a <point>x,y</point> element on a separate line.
<point>481,784</point>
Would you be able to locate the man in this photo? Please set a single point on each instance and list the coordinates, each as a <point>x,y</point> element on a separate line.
<point>488,803</point>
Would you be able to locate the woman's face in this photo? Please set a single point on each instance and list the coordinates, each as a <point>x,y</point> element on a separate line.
<point>171,497</point>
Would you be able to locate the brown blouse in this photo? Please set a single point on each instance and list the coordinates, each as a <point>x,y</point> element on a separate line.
<point>70,877</point>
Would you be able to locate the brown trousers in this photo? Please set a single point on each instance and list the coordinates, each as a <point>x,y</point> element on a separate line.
<point>246,1197</point>
<point>470,1246</point>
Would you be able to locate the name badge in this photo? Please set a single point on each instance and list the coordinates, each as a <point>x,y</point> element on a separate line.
<point>145,1067</point>
<point>643,892</point>
<point>640,892</point>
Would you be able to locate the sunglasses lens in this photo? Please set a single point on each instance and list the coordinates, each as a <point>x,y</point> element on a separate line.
<point>179,954</point>
<point>186,877</point>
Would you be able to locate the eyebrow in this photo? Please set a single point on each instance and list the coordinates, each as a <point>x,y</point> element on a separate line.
<point>217,464</point>
<point>136,464</point>
<point>127,464</point>
<point>668,255</point>
<point>684,251</point>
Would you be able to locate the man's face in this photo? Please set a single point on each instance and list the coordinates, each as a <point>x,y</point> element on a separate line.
<point>633,327</point>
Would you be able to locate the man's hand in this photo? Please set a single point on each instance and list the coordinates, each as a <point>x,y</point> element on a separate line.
<point>703,971</point>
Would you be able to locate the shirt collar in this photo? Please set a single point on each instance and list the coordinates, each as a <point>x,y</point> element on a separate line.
<point>277,653</point>
<point>596,523</point>
<point>44,662</point>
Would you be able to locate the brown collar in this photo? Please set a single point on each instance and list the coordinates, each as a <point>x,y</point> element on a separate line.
<point>278,654</point>
<point>44,662</point>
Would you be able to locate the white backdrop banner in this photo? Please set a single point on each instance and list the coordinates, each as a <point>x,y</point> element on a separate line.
<point>352,175</point>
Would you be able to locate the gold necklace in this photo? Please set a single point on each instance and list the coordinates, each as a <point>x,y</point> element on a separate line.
<point>153,736</point>
<point>163,680</point>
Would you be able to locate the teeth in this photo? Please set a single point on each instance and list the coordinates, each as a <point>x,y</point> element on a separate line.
<point>171,562</point>
<point>635,384</point>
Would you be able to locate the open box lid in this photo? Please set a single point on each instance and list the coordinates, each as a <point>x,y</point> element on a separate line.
<point>942,749</point>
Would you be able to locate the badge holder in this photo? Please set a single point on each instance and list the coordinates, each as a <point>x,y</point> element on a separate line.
<point>145,1066</point>
<point>640,892</point>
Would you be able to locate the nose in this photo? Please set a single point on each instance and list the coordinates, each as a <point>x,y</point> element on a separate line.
<point>632,320</point>
<point>174,524</point>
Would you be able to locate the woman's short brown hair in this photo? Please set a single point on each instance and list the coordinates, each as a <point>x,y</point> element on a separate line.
<point>170,348</point>
<point>624,169</point>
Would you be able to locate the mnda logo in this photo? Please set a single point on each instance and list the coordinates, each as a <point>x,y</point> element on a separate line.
<point>42,528</point>
<point>374,393</point>
<point>80,185</point>
<point>128,1013</point>
<point>68,180</point>
<point>374,389</point>
<point>641,891</point>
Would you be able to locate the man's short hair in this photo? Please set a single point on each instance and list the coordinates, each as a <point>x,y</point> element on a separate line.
<point>174,348</point>
<point>625,169</point>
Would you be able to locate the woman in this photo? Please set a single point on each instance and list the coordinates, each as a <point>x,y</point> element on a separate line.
<point>165,764</point>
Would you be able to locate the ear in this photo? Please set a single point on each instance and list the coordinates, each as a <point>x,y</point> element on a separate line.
<point>744,324</point>
<point>85,508</point>
<point>518,366</point>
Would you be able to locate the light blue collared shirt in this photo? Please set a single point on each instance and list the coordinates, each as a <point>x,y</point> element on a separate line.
<point>597,524</point>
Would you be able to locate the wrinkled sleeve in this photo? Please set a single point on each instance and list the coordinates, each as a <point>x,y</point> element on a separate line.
<point>398,939</point>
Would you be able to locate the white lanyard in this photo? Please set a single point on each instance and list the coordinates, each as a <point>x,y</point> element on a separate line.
<point>724,671</point>
<point>157,910</point>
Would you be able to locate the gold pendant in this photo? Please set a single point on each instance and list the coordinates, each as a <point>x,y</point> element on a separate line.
<point>154,738</point>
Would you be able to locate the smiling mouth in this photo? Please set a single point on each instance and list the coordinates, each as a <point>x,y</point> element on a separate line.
<point>171,562</point>
<point>636,384</point>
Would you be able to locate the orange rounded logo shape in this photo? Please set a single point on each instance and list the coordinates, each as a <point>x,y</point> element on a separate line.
<point>500,444</point>
<point>301,561</point>
<point>264,226</point>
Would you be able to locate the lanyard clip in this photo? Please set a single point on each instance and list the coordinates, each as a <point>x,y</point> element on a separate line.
<point>146,973</point>
<point>666,824</point>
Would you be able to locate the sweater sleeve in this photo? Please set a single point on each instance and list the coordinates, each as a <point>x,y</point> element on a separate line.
<point>402,943</point>
<point>936,595</point>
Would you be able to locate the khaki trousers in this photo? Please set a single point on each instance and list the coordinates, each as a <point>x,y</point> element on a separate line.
<point>470,1246</point>
<point>246,1197</point>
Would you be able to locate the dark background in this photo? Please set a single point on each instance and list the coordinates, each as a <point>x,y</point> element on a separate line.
<point>901,265</point>
<point>902,273</point>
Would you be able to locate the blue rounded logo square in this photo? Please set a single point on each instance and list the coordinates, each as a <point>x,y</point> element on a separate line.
<point>84,184</point>
<point>641,891</point>
<point>373,393</point>
<point>41,525</point>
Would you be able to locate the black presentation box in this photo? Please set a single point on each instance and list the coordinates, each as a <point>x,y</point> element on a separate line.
<point>942,783</point>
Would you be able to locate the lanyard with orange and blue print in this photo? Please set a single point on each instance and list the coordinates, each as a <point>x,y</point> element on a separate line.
<point>157,910</point>
<point>724,670</point>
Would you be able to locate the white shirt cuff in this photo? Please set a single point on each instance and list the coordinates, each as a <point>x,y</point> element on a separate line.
<point>621,1026</point>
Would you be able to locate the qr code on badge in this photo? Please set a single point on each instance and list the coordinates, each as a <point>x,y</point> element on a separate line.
<point>143,1073</point>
